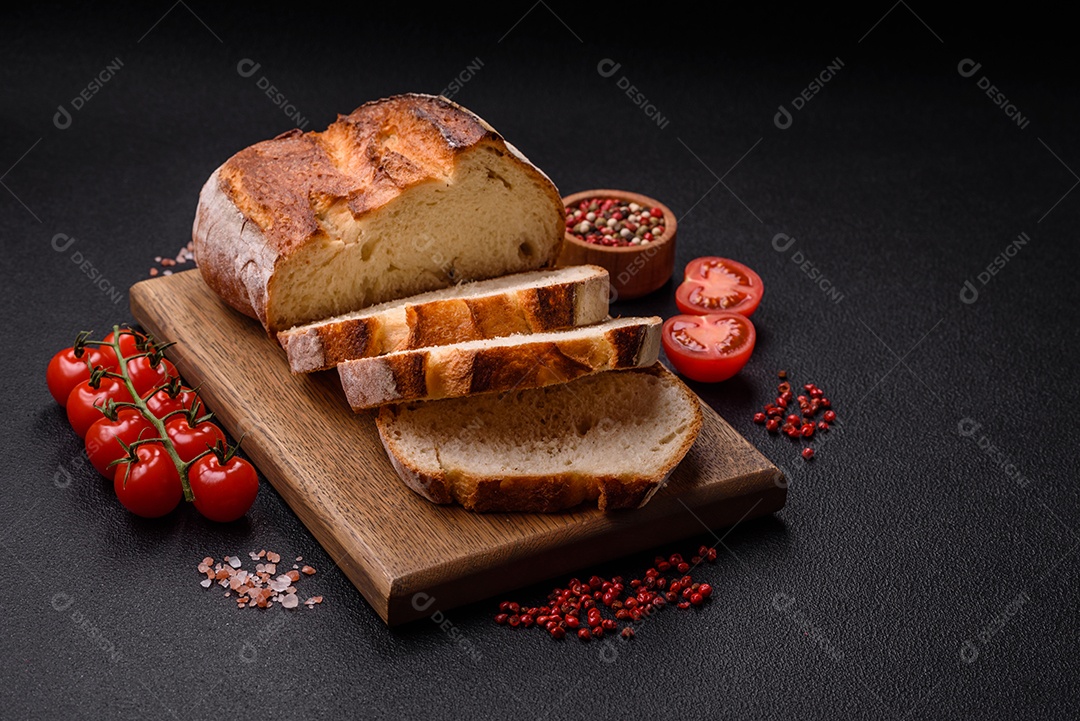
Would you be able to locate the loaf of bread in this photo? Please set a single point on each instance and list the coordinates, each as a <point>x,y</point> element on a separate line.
<point>527,360</point>
<point>532,302</point>
<point>403,195</point>
<point>611,438</point>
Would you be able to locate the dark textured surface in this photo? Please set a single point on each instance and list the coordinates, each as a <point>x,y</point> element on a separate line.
<point>910,576</point>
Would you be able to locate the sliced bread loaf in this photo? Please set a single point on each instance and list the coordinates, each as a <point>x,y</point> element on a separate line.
<point>609,437</point>
<point>532,302</point>
<point>501,364</point>
<point>401,196</point>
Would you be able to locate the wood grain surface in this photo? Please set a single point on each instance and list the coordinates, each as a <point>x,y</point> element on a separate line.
<point>329,466</point>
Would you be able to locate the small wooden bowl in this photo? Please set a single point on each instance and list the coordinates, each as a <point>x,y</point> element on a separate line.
<point>635,270</point>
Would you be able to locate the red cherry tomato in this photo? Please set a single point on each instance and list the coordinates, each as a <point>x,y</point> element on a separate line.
<point>151,486</point>
<point>130,341</point>
<point>161,404</point>
<point>223,493</point>
<point>84,402</point>
<point>713,284</point>
<point>708,348</point>
<point>191,441</point>
<point>66,370</point>
<point>101,440</point>
<point>146,377</point>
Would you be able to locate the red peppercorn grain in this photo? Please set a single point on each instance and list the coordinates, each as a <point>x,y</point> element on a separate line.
<point>808,453</point>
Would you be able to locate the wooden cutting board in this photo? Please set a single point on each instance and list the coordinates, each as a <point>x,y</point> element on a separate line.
<point>329,466</point>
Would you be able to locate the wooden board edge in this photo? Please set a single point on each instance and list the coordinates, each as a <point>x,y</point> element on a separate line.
<point>418,595</point>
<point>371,579</point>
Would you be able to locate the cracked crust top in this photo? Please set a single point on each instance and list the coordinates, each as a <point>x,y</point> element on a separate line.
<point>366,158</point>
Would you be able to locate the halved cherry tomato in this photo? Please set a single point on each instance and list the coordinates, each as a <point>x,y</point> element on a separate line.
<point>189,440</point>
<point>83,405</point>
<point>101,440</point>
<point>712,285</point>
<point>66,370</point>
<point>151,486</point>
<point>708,348</point>
<point>223,493</point>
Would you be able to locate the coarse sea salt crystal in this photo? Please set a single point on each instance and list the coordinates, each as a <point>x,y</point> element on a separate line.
<point>290,601</point>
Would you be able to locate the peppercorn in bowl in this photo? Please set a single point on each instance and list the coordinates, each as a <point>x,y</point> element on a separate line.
<point>629,234</point>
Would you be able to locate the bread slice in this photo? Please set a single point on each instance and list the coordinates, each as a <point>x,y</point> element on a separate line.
<point>501,364</point>
<point>609,437</point>
<point>401,196</point>
<point>532,302</point>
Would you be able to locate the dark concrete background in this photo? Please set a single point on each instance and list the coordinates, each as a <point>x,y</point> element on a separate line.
<point>914,572</point>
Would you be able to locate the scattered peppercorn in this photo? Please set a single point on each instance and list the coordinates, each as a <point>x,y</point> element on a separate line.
<point>797,425</point>
<point>562,614</point>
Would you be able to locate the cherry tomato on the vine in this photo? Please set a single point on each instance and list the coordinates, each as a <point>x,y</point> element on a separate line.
<point>145,377</point>
<point>66,370</point>
<point>84,402</point>
<point>162,404</point>
<point>102,447</point>
<point>189,440</point>
<point>149,487</point>
<point>708,348</point>
<point>223,493</point>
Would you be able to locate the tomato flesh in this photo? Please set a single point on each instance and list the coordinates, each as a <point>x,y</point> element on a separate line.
<point>712,285</point>
<point>709,348</point>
